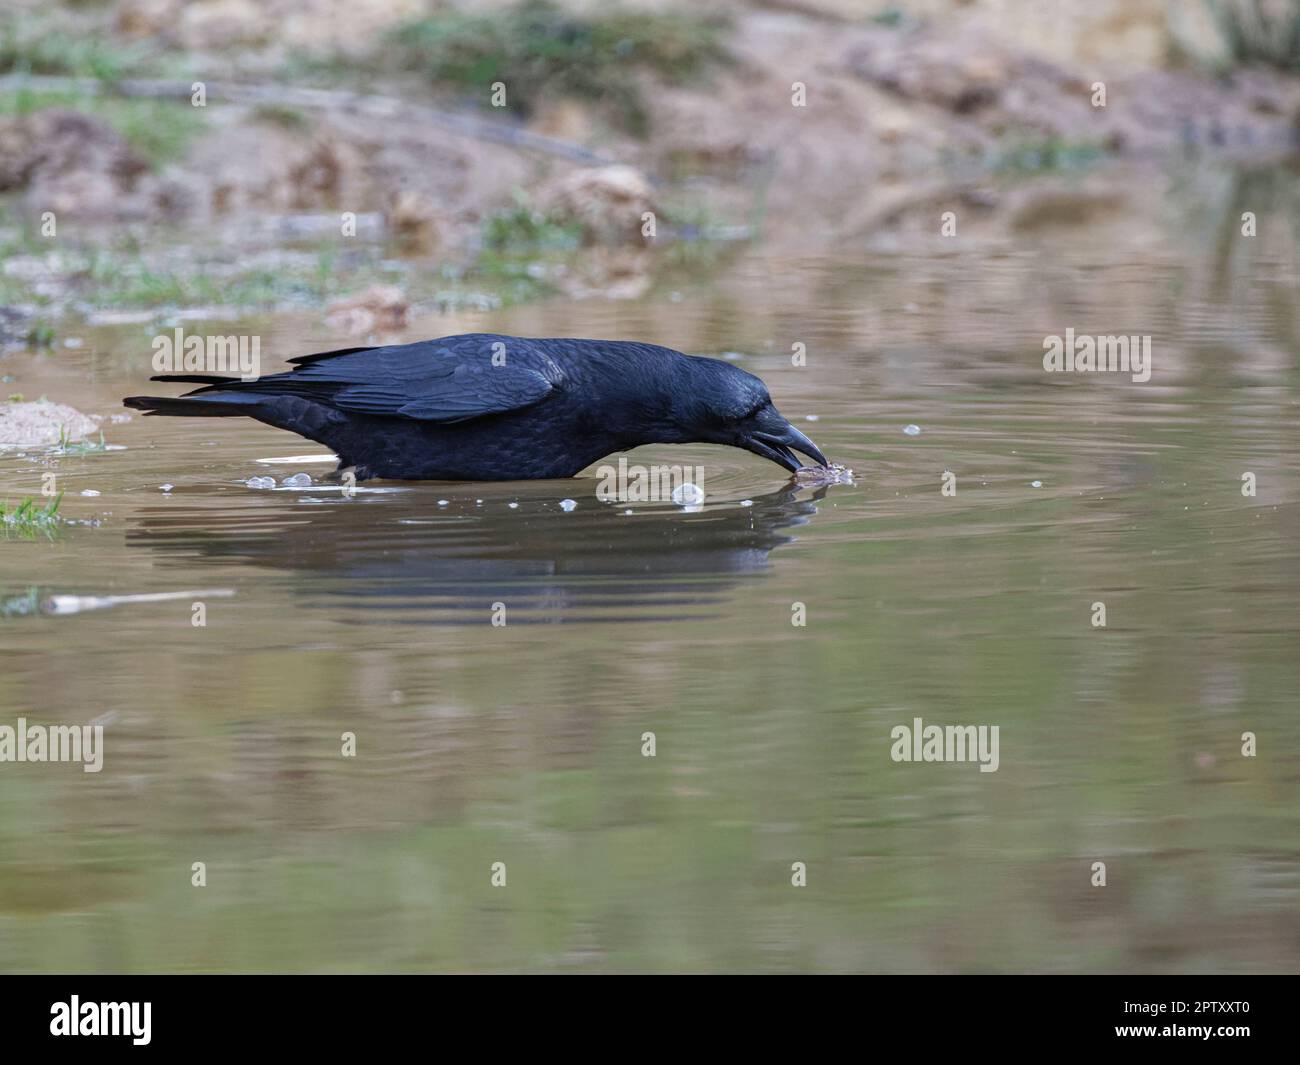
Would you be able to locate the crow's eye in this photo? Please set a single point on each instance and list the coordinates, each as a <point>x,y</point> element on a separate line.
<point>734,420</point>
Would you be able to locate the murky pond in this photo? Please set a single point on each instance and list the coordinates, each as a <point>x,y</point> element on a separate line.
<point>523,743</point>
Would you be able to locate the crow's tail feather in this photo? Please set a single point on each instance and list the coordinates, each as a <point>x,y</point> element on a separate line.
<point>197,378</point>
<point>219,405</point>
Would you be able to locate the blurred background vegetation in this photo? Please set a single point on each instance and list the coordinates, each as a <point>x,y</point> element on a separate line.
<point>383,108</point>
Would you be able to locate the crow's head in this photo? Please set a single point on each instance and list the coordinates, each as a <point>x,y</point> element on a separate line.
<point>718,403</point>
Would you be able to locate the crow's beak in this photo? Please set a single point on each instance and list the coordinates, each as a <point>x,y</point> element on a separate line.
<point>771,436</point>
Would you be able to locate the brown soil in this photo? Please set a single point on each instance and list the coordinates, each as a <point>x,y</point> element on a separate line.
<point>897,121</point>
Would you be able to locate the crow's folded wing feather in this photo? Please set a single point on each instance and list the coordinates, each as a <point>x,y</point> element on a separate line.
<point>450,380</point>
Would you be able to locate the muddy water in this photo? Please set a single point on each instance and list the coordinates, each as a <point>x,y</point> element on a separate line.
<point>522,744</point>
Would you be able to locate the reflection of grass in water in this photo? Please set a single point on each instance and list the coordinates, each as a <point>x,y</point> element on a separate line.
<point>160,130</point>
<point>41,335</point>
<point>539,50</point>
<point>692,260</point>
<point>523,228</point>
<point>522,244</point>
<point>29,518</point>
<point>18,606</point>
<point>514,277</point>
<point>521,249</point>
<point>121,278</point>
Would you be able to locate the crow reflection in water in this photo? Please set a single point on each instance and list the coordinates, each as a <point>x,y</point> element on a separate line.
<point>449,566</point>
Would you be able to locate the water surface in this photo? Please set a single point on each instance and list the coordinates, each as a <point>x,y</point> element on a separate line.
<point>522,743</point>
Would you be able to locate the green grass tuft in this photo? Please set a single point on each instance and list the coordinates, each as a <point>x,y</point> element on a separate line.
<point>28,519</point>
<point>17,606</point>
<point>79,447</point>
<point>522,228</point>
<point>536,49</point>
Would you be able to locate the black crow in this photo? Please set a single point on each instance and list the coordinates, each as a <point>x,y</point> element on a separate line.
<point>485,407</point>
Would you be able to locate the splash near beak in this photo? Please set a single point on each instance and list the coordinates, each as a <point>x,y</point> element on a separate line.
<point>776,439</point>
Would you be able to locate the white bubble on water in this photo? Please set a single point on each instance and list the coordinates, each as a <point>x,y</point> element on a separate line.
<point>688,494</point>
<point>260,482</point>
<point>568,504</point>
<point>1035,484</point>
<point>298,480</point>
<point>90,492</point>
<point>912,430</point>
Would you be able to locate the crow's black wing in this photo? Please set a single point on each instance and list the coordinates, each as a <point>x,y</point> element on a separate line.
<point>448,380</point>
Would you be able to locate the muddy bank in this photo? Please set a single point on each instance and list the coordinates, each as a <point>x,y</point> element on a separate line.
<point>806,126</point>
<point>77,166</point>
